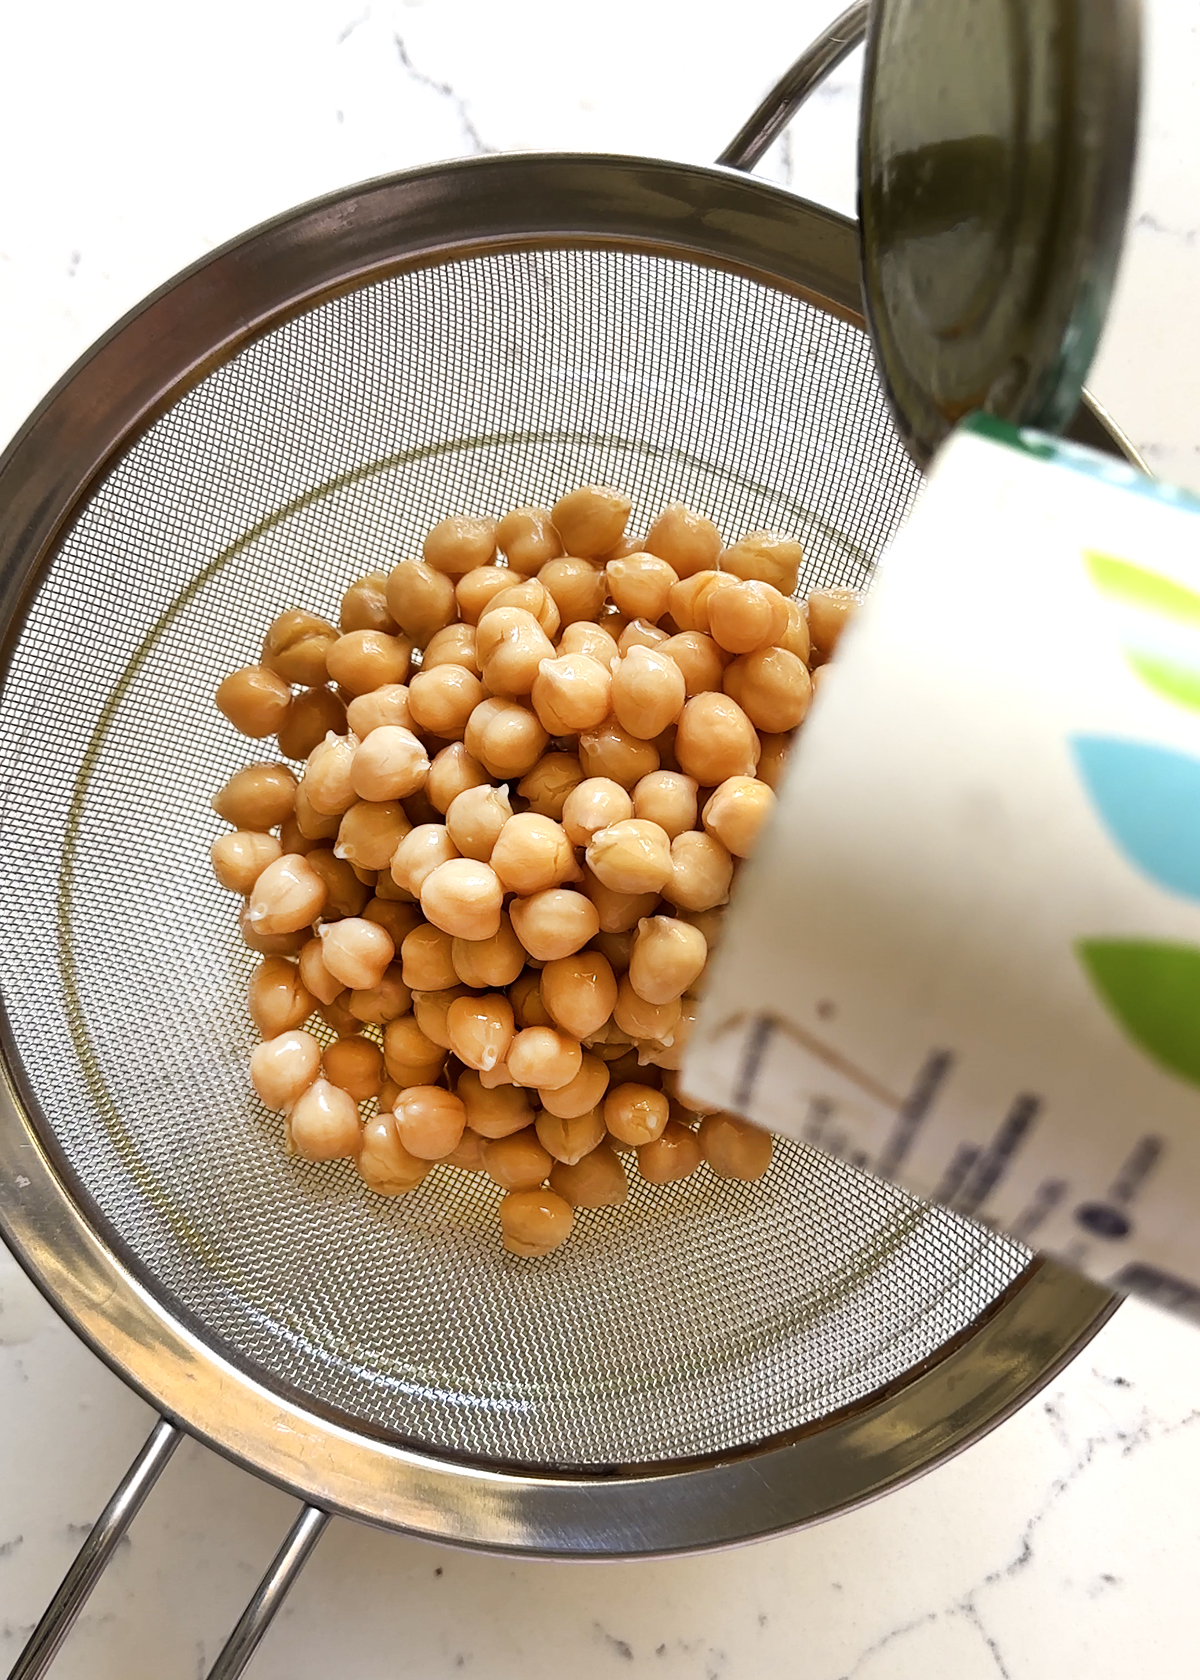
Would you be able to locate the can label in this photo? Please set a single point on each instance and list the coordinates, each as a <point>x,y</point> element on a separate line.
<point>967,953</point>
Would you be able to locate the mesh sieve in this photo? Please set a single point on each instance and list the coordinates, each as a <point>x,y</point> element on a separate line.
<point>696,1320</point>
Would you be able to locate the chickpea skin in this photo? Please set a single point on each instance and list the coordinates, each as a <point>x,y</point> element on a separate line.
<point>364,606</point>
<point>295,647</point>
<point>549,783</point>
<point>631,857</point>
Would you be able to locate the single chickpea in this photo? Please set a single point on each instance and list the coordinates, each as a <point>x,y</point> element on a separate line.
<point>390,764</point>
<point>747,616</point>
<point>527,539</point>
<point>357,951</point>
<point>376,1005</point>
<point>476,819</point>
<point>257,798</point>
<point>517,1162</point>
<point>290,837</point>
<point>510,646</point>
<point>327,780</point>
<point>254,700</point>
<point>442,700</point>
<point>337,1016</point>
<point>287,896</point>
<point>631,857</point>
<point>279,1001</point>
<point>488,963</point>
<point>364,606</point>
<point>480,1030</point>
<point>493,1113</point>
<point>365,660</point>
<point>570,1140</point>
<point>598,1180</point>
<point>505,737</point>
<point>639,632</point>
<point>420,599</point>
<point>736,813</point>
<point>636,1114</point>
<point>323,1123</point>
<point>467,1154</point>
<point>698,658</point>
<point>313,714</point>
<point>829,611</point>
<point>590,639</point>
<point>612,752</point>
<point>675,1155</point>
<point>426,959</point>
<point>547,785</point>
<point>384,1164</point>
<point>555,923</point>
<point>734,1148</point>
<point>580,992</point>
<point>591,520</point>
<point>430,1122</point>
<point>593,804</point>
<point>685,540</point>
<point>647,692</point>
<point>617,912</point>
<point>571,693</point>
<point>284,1066</point>
<point>528,595</point>
<point>345,894</point>
<point>701,871</point>
<point>295,647</point>
<point>668,955</point>
<point>795,638</point>
<point>452,772</point>
<point>642,1020</point>
<point>369,833</point>
<point>535,1222</point>
<point>454,644</point>
<point>775,749</point>
<point>532,853</point>
<point>617,947</point>
<point>525,995</point>
<point>459,544</point>
<point>715,739</point>
<point>764,557</point>
<point>238,859</point>
<point>667,798</point>
<point>543,1058</point>
<point>269,944</point>
<point>385,707</point>
<point>581,1094</point>
<point>774,688</point>
<point>354,1065</point>
<point>640,584</point>
<point>463,898</point>
<point>476,588</point>
<point>577,588</point>
<point>398,919</point>
<point>411,1058</point>
<point>389,1095</point>
<point>432,1009</point>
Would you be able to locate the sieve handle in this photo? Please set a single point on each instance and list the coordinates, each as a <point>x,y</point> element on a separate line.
<point>794,86</point>
<point>270,1594</point>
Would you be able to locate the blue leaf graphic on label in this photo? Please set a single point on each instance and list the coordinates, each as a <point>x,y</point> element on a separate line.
<point>1149,800</point>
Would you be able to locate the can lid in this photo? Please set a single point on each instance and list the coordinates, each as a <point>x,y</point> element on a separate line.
<point>996,158</point>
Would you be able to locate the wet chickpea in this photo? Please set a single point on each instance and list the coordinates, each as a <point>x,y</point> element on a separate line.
<point>715,739</point>
<point>613,753</point>
<point>257,798</point>
<point>354,1065</point>
<point>410,1057</point>
<point>547,785</point>
<point>312,714</point>
<point>685,540</point>
<point>775,749</point>
<point>480,1030</point>
<point>390,764</point>
<point>632,857</point>
<point>431,1010</point>
<point>579,1095</point>
<point>595,803</point>
<point>734,1148</point>
<point>337,1016</point>
<point>376,1005</point>
<point>527,595</point>
<point>268,944</point>
<point>670,1056</point>
<point>511,645</point>
<point>442,700</point>
<point>356,951</point>
<point>370,832</point>
<point>591,520</point>
<point>675,1155</point>
<point>642,1020</point>
<point>364,606</point>
<point>426,961</point>
<point>617,947</point>
<point>647,692</point>
<point>463,898</point>
<point>764,557</point>
<point>323,985</point>
<point>476,820</point>
<point>323,1123</point>
<point>493,1113</point>
<point>640,633</point>
<point>775,689</point>
<point>640,585</point>
<point>384,1164</point>
<point>475,589</point>
<point>238,859</point>
<point>636,1114</point>
<point>542,1057</point>
<point>701,871</point>
<point>398,919</point>
<point>532,853</point>
<point>699,659</point>
<point>617,912</point>
<point>365,660</point>
<point>295,647</point>
<point>467,1153</point>
<point>284,1066</point>
<point>420,599</point>
<point>287,896</point>
<point>535,1222</point>
<point>795,638</point>
<point>452,645</point>
<point>668,955</point>
<point>345,894</point>
<point>688,601</point>
<point>279,1001</point>
<point>591,639</point>
<point>328,783</point>
<point>505,737</point>
<point>525,995</point>
<point>579,992</point>
<point>430,1121</point>
<point>597,1180</point>
<point>459,544</point>
<point>577,588</point>
<point>610,1044</point>
<point>570,1140</point>
<point>255,700</point>
<point>668,799</point>
<point>555,923</point>
<point>747,616</point>
<point>516,1162</point>
<point>488,963</point>
<point>386,706</point>
<point>736,813</point>
<point>527,539</point>
<point>291,839</point>
<point>452,772</point>
<point>571,693</point>
<point>829,611</point>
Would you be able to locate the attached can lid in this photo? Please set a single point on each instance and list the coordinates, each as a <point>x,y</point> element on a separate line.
<point>996,158</point>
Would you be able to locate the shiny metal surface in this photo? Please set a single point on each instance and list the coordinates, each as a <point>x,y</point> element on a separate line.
<point>767,123</point>
<point>270,1594</point>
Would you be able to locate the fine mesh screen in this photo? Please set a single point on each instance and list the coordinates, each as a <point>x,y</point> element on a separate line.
<point>697,1318</point>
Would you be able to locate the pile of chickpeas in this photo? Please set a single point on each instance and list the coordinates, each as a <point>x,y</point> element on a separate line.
<point>532,764</point>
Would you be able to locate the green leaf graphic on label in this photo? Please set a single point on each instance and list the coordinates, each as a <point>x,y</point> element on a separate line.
<point>1137,587</point>
<point>1177,682</point>
<point>1153,990</point>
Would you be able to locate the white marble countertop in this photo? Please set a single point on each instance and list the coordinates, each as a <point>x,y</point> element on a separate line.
<point>139,136</point>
